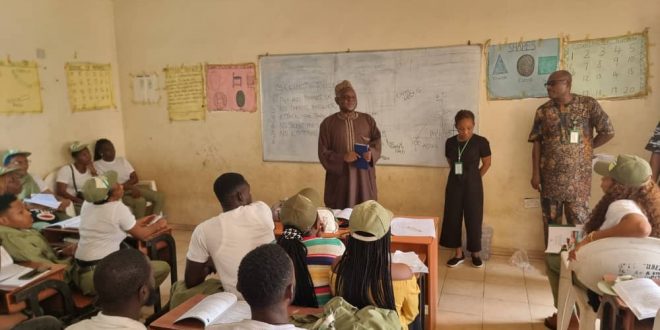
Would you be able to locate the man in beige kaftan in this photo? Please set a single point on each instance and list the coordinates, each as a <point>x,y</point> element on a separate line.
<point>345,183</point>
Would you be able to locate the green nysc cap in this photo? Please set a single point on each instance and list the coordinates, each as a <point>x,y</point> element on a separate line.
<point>97,188</point>
<point>11,153</point>
<point>77,146</point>
<point>629,170</point>
<point>313,195</point>
<point>6,170</point>
<point>372,218</point>
<point>299,211</point>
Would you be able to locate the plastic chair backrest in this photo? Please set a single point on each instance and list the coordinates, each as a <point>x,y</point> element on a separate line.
<point>639,257</point>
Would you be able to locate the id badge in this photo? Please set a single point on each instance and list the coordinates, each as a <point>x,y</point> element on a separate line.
<point>575,136</point>
<point>458,168</point>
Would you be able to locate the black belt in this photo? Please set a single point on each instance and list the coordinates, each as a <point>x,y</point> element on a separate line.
<point>83,263</point>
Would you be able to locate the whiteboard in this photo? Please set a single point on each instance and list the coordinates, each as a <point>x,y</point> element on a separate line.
<point>609,68</point>
<point>412,94</point>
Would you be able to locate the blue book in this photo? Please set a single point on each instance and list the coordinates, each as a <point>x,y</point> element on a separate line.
<point>360,149</point>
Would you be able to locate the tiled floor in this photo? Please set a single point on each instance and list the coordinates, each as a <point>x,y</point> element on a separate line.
<point>497,296</point>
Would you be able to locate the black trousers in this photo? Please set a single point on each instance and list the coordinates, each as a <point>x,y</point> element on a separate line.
<point>464,199</point>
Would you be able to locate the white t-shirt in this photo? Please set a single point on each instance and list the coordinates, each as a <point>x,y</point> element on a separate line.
<point>619,209</point>
<point>251,325</point>
<point>102,229</point>
<point>64,176</point>
<point>102,321</point>
<point>119,165</point>
<point>228,237</point>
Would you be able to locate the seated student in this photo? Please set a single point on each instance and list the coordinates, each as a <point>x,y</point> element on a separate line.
<point>629,208</point>
<point>71,177</point>
<point>222,241</point>
<point>312,255</point>
<point>104,223</point>
<point>387,285</point>
<point>135,197</point>
<point>21,241</point>
<point>266,280</point>
<point>10,182</point>
<point>124,281</point>
<point>31,184</point>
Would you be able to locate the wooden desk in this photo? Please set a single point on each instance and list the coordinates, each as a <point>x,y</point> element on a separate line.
<point>166,322</point>
<point>8,304</point>
<point>423,246</point>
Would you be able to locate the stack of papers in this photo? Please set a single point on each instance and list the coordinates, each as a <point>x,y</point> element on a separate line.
<point>411,259</point>
<point>47,200</point>
<point>68,223</point>
<point>563,236</point>
<point>413,227</point>
<point>642,295</point>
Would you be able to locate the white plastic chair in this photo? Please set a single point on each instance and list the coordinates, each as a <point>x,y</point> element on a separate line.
<point>50,183</point>
<point>615,255</point>
<point>566,295</point>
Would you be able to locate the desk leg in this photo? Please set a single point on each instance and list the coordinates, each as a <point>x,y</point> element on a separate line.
<point>432,285</point>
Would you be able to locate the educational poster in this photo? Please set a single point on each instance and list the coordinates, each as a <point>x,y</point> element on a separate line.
<point>145,88</point>
<point>90,86</point>
<point>185,92</point>
<point>609,68</point>
<point>20,88</point>
<point>518,70</point>
<point>231,87</point>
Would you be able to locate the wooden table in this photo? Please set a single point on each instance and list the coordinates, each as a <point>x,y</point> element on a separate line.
<point>8,304</point>
<point>424,246</point>
<point>166,322</point>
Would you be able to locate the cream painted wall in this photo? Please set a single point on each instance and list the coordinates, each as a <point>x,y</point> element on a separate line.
<point>64,29</point>
<point>185,157</point>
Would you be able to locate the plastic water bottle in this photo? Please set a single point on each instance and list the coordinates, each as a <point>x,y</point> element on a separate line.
<point>486,241</point>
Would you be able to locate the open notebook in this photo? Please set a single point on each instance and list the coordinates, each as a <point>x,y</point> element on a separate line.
<point>10,272</point>
<point>219,308</point>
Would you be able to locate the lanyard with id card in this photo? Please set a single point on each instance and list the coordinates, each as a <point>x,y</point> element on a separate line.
<point>458,165</point>
<point>574,135</point>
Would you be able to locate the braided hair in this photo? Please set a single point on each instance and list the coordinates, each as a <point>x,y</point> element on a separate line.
<point>364,273</point>
<point>291,242</point>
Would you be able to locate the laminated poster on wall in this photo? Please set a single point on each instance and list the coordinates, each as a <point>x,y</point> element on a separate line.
<point>185,92</point>
<point>20,88</point>
<point>609,68</point>
<point>90,86</point>
<point>231,87</point>
<point>518,70</point>
<point>145,88</point>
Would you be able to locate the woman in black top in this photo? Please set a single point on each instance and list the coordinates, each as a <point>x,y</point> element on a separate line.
<point>464,195</point>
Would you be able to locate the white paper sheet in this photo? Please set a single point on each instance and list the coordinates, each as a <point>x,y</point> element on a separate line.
<point>413,227</point>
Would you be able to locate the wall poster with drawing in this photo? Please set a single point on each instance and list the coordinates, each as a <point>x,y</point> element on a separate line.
<point>20,88</point>
<point>231,87</point>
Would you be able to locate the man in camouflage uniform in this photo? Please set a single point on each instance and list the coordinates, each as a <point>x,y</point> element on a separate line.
<point>654,147</point>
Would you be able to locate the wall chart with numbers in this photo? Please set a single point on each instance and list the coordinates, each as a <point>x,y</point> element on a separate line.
<point>609,68</point>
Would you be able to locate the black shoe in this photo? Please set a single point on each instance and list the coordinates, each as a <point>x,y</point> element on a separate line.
<point>476,262</point>
<point>455,261</point>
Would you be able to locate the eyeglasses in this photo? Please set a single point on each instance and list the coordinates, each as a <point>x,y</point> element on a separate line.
<point>554,82</point>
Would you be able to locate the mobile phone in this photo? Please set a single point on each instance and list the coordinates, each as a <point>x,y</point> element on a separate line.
<point>33,273</point>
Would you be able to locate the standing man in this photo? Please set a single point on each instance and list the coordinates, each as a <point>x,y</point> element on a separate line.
<point>563,140</point>
<point>654,147</point>
<point>345,183</point>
